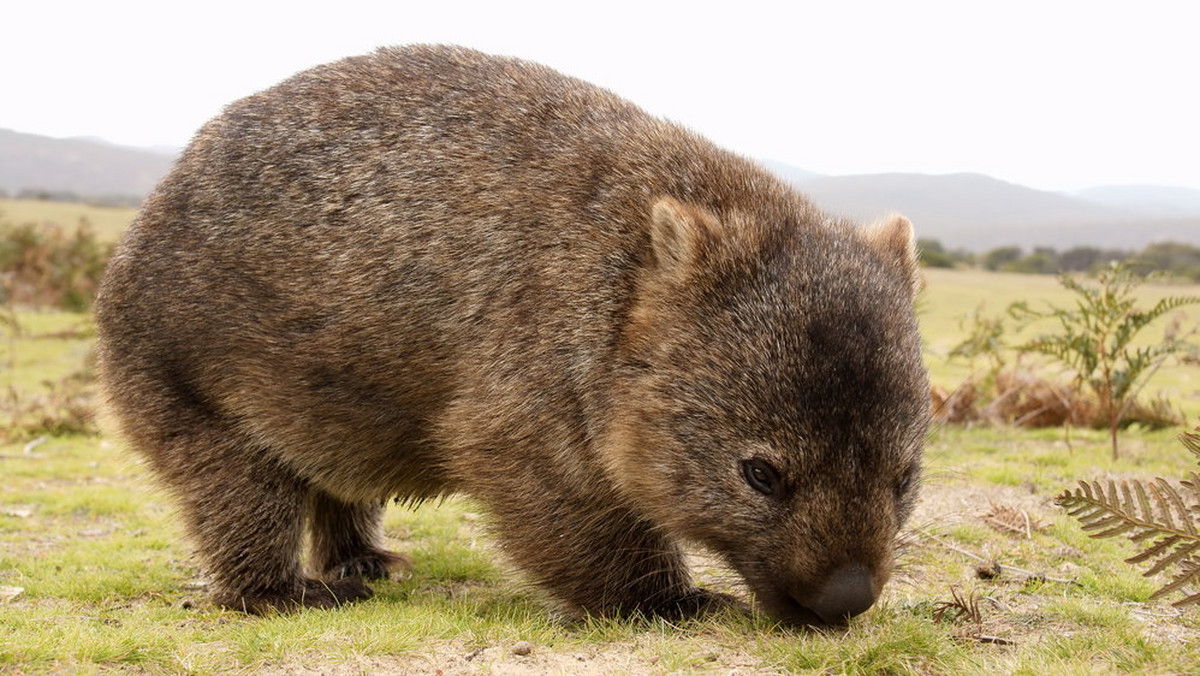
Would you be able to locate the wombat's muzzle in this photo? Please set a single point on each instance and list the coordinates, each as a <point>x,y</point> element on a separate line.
<point>846,592</point>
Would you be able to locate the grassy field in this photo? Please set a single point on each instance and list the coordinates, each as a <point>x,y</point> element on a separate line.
<point>951,295</point>
<point>95,577</point>
<point>108,222</point>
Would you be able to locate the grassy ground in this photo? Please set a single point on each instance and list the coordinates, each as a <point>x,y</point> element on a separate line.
<point>94,574</point>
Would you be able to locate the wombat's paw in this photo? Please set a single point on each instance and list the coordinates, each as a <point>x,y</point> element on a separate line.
<point>701,602</point>
<point>312,594</point>
<point>374,566</point>
<point>334,593</point>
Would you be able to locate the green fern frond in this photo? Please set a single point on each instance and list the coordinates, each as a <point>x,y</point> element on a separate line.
<point>1154,516</point>
<point>1170,303</point>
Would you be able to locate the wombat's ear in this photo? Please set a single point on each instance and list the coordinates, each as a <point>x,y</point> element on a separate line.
<point>679,231</point>
<point>895,239</point>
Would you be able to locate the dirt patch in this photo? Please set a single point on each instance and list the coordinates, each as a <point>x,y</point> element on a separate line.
<point>948,498</point>
<point>457,659</point>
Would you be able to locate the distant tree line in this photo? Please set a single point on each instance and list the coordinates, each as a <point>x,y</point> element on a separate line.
<point>1174,259</point>
<point>71,197</point>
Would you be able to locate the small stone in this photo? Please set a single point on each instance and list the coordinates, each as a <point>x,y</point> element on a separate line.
<point>19,512</point>
<point>10,593</point>
<point>522,648</point>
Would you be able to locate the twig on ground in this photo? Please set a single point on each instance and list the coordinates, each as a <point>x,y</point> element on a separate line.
<point>1020,571</point>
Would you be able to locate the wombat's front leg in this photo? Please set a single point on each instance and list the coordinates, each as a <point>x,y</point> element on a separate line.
<point>606,560</point>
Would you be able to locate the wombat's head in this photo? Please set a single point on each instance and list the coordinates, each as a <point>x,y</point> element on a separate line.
<point>774,403</point>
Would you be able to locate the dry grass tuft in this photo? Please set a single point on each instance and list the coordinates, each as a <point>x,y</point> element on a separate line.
<point>1020,398</point>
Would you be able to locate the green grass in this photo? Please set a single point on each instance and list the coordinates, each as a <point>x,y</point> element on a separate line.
<point>51,346</point>
<point>109,583</point>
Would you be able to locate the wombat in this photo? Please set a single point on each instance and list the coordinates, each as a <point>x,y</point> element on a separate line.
<point>428,270</point>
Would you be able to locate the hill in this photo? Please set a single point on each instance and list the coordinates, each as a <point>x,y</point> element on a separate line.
<point>976,212</point>
<point>794,175</point>
<point>1164,201</point>
<point>84,167</point>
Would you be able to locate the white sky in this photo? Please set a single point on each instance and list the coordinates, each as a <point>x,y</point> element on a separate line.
<point>1052,94</point>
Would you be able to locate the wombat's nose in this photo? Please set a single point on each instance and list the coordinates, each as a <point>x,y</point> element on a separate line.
<point>847,592</point>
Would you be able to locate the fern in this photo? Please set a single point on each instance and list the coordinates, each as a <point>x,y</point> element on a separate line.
<point>1161,517</point>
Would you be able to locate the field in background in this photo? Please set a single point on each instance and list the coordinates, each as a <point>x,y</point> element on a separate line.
<point>108,222</point>
<point>95,575</point>
<point>950,295</point>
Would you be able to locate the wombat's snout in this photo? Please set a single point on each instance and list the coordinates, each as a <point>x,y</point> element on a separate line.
<point>846,592</point>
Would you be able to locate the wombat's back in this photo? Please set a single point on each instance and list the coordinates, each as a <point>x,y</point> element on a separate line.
<point>335,259</point>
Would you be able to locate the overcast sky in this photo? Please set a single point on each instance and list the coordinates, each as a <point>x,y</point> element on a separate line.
<point>1054,95</point>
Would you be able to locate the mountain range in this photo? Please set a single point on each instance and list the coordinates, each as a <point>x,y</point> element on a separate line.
<point>976,212</point>
<point>84,166</point>
<point>963,211</point>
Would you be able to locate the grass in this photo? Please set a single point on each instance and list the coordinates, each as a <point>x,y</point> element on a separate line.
<point>108,583</point>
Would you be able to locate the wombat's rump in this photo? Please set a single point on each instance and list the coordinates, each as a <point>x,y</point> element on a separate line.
<point>430,270</point>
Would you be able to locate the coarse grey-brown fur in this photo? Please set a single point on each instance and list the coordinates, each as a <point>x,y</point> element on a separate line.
<point>428,270</point>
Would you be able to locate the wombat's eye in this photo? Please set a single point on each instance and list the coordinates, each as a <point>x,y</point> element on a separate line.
<point>761,476</point>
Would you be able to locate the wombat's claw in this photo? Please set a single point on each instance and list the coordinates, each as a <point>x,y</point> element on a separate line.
<point>375,566</point>
<point>331,594</point>
<point>367,568</point>
<point>313,594</point>
<point>700,602</point>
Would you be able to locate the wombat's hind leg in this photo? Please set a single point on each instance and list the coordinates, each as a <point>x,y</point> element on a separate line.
<point>248,521</point>
<point>345,540</point>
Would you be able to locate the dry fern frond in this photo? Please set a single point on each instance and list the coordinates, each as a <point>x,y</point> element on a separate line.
<point>1191,441</point>
<point>1012,521</point>
<point>959,609</point>
<point>1157,516</point>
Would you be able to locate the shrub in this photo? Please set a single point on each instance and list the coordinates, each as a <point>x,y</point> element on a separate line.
<point>1095,339</point>
<point>997,259</point>
<point>63,407</point>
<point>49,266</point>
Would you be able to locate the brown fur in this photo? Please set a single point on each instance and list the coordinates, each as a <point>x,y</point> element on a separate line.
<point>428,270</point>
